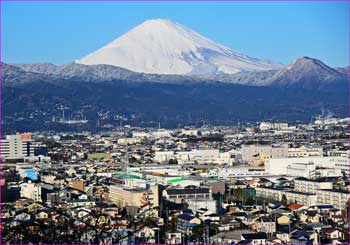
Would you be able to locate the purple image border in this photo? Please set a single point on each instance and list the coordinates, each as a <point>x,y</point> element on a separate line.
<point>150,1</point>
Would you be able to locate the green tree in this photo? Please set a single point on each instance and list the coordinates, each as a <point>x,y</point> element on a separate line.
<point>284,200</point>
<point>172,161</point>
<point>239,193</point>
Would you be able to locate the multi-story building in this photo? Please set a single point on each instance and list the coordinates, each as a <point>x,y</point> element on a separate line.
<point>274,126</point>
<point>337,198</point>
<point>308,192</point>
<point>163,156</point>
<point>31,190</point>
<point>309,150</point>
<point>136,197</point>
<point>310,186</point>
<point>16,147</point>
<point>337,153</point>
<point>279,166</point>
<point>181,195</point>
<point>311,170</point>
<point>291,196</point>
<point>251,153</point>
<point>204,156</point>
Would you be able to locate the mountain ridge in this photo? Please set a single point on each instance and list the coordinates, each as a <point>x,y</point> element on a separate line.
<point>304,72</point>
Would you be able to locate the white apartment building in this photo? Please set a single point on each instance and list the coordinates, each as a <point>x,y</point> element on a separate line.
<point>337,198</point>
<point>180,195</point>
<point>304,198</point>
<point>14,147</point>
<point>31,191</point>
<point>311,186</point>
<point>336,153</point>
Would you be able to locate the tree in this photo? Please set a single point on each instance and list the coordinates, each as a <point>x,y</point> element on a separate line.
<point>172,161</point>
<point>198,232</point>
<point>239,193</point>
<point>284,200</point>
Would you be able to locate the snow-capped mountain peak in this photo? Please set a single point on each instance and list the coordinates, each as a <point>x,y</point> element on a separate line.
<point>166,47</point>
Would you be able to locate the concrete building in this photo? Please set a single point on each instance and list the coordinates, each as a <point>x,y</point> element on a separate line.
<point>272,126</point>
<point>337,198</point>
<point>280,166</point>
<point>16,147</point>
<point>163,156</point>
<point>189,132</point>
<point>307,170</point>
<point>310,150</point>
<point>123,196</point>
<point>292,196</point>
<point>31,190</point>
<point>204,156</point>
<point>184,194</point>
<point>196,204</point>
<point>251,153</point>
<point>311,186</point>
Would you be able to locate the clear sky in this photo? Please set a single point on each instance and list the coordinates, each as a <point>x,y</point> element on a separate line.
<point>60,32</point>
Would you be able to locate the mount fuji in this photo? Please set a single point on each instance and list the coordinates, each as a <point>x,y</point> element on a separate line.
<point>161,46</point>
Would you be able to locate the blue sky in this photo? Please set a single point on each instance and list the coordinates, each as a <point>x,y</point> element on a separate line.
<point>60,32</point>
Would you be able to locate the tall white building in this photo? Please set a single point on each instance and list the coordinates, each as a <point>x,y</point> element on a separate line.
<point>31,190</point>
<point>14,147</point>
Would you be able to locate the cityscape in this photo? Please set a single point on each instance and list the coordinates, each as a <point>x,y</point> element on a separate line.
<point>138,123</point>
<point>269,183</point>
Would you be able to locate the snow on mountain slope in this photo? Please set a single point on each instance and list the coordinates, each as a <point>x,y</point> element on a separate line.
<point>307,71</point>
<point>164,47</point>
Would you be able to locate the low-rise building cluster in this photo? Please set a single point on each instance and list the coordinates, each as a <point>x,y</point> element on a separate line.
<point>267,183</point>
